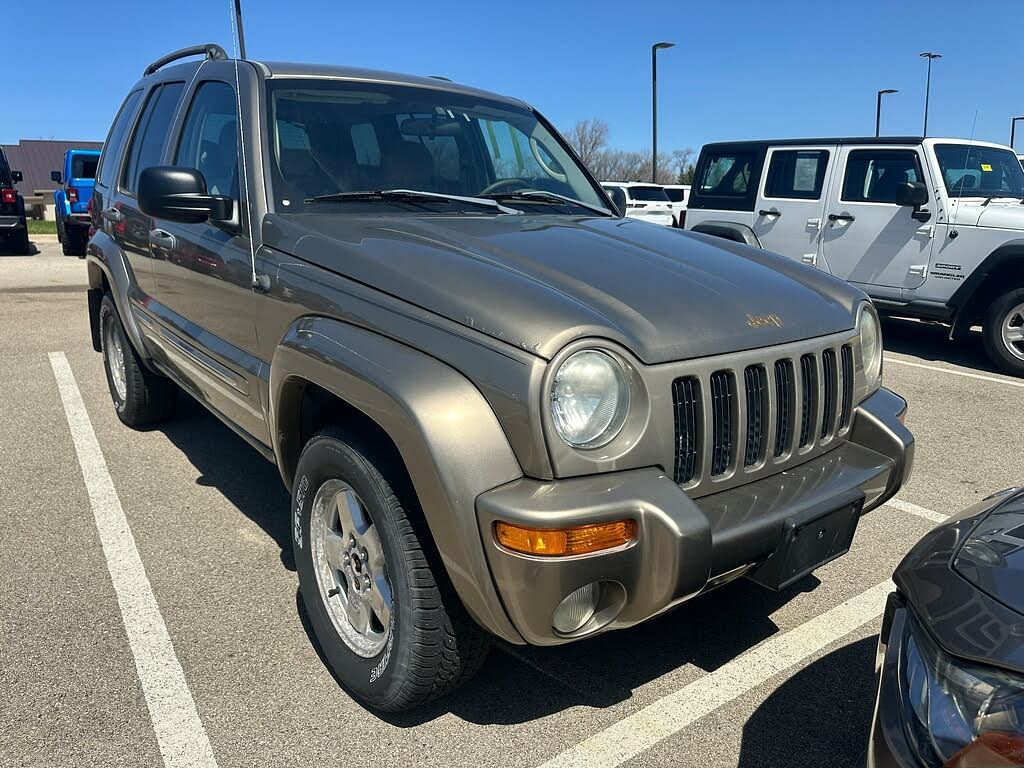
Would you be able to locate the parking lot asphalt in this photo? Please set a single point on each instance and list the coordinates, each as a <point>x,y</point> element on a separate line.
<point>739,677</point>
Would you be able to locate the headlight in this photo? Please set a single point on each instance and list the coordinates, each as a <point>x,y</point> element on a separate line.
<point>589,399</point>
<point>871,346</point>
<point>958,714</point>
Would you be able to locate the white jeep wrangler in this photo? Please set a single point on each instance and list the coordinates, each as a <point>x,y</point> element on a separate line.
<point>929,228</point>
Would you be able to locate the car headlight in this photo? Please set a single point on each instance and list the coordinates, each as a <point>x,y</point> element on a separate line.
<point>589,399</point>
<point>871,346</point>
<point>957,714</point>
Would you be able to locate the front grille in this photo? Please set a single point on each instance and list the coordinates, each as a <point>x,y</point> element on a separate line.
<point>760,416</point>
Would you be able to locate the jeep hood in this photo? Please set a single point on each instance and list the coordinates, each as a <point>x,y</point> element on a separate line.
<point>1001,213</point>
<point>541,281</point>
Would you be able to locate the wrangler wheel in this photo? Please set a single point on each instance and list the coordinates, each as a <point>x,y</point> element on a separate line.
<point>390,632</point>
<point>1003,332</point>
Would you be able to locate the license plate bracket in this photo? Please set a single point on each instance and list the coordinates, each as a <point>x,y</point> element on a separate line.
<point>809,540</point>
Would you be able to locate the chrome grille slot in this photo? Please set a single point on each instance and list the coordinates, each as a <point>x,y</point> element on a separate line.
<point>847,406</point>
<point>830,391</point>
<point>723,388</point>
<point>748,414</point>
<point>784,396</point>
<point>755,378</point>
<point>809,404</point>
<point>686,397</point>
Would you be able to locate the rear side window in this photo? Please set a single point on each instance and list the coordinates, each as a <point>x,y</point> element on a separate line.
<point>797,174</point>
<point>209,140</point>
<point>83,166</point>
<point>726,174</point>
<point>115,139</point>
<point>874,175</point>
<point>151,133</point>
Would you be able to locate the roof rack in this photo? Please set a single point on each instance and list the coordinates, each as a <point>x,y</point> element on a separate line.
<point>440,77</point>
<point>211,51</point>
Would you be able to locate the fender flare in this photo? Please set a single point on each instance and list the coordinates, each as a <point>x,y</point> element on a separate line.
<point>977,290</point>
<point>104,256</point>
<point>728,230</point>
<point>452,445</point>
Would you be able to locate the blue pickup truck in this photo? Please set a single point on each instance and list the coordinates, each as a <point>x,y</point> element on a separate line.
<point>72,199</point>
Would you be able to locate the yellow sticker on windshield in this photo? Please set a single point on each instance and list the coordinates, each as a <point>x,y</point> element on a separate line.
<point>986,168</point>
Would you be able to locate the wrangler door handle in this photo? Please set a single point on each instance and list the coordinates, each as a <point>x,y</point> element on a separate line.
<point>841,217</point>
<point>772,212</point>
<point>113,215</point>
<point>161,239</point>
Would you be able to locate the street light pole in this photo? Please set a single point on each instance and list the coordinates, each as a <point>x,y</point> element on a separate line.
<point>878,108</point>
<point>654,107</point>
<point>1013,129</point>
<point>928,84</point>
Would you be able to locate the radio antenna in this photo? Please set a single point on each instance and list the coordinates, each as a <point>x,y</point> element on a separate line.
<point>954,232</point>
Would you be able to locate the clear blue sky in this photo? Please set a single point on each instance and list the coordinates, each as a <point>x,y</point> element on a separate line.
<point>740,69</point>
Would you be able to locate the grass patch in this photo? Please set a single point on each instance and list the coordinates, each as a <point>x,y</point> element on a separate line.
<point>42,227</point>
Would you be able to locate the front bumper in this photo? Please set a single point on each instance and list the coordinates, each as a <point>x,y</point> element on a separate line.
<point>683,546</point>
<point>888,746</point>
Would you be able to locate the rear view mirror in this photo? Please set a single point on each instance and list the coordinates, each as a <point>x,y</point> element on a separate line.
<point>912,193</point>
<point>16,176</point>
<point>56,176</point>
<point>179,194</point>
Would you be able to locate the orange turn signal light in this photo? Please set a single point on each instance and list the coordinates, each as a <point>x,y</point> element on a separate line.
<point>555,542</point>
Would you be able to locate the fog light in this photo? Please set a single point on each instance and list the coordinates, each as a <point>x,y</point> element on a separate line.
<point>577,609</point>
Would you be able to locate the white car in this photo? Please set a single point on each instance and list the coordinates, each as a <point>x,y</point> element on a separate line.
<point>928,228</point>
<point>678,194</point>
<point>647,202</point>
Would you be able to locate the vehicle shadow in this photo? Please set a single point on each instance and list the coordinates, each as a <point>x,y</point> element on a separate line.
<point>929,341</point>
<point>6,250</point>
<point>819,716</point>
<point>517,684</point>
<point>229,464</point>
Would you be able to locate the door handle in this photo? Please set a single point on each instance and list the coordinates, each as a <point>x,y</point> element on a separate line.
<point>113,215</point>
<point>162,239</point>
<point>841,217</point>
<point>772,212</point>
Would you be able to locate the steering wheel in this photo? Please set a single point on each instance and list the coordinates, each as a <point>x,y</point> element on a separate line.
<point>501,184</point>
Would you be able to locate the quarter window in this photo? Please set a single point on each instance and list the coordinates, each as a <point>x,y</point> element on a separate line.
<point>874,175</point>
<point>151,133</point>
<point>797,174</point>
<point>115,140</point>
<point>209,140</point>
<point>726,174</point>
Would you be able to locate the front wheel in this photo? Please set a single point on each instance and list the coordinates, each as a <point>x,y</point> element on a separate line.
<point>387,629</point>
<point>1003,332</point>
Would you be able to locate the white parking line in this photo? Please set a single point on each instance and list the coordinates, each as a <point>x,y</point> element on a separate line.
<point>667,716</point>
<point>179,731</point>
<point>913,509</point>
<point>940,369</point>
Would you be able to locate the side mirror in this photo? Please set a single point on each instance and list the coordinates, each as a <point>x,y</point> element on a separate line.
<point>618,196</point>
<point>57,177</point>
<point>179,194</point>
<point>17,176</point>
<point>912,193</point>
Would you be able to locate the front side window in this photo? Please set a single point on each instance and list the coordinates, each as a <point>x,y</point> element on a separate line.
<point>151,133</point>
<point>875,175</point>
<point>115,139</point>
<point>334,137</point>
<point>209,138</point>
<point>726,174</point>
<point>798,174</point>
<point>972,171</point>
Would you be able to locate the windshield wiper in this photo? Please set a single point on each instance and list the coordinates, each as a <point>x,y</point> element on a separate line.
<point>408,195</point>
<point>541,196</point>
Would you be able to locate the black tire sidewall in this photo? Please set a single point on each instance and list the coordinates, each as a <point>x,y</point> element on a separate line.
<point>993,334</point>
<point>375,680</point>
<point>108,315</point>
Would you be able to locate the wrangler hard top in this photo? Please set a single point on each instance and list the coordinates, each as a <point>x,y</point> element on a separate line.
<point>928,227</point>
<point>501,408</point>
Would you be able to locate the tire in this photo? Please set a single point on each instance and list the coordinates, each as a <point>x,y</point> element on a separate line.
<point>19,242</point>
<point>74,241</point>
<point>140,396</point>
<point>1003,332</point>
<point>425,644</point>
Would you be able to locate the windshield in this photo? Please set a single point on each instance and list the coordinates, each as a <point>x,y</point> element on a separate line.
<point>330,137</point>
<point>675,195</point>
<point>656,194</point>
<point>972,171</point>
